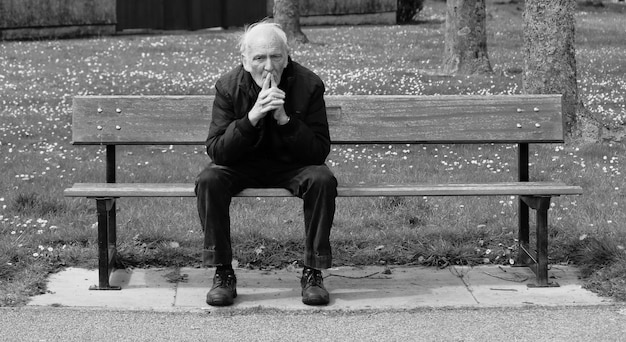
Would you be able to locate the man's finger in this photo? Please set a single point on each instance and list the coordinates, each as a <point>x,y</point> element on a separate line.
<point>272,80</point>
<point>267,82</point>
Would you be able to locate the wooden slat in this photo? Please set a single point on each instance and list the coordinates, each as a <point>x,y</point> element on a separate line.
<point>141,119</point>
<point>102,190</point>
<point>448,119</point>
<point>169,120</point>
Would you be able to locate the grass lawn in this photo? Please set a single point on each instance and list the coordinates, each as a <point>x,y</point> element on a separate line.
<point>41,232</point>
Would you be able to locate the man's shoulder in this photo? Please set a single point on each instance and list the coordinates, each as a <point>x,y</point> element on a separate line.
<point>302,72</point>
<point>232,77</point>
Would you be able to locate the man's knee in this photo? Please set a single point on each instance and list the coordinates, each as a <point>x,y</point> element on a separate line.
<point>211,178</point>
<point>321,175</point>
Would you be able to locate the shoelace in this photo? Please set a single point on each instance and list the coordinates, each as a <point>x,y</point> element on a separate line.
<point>224,280</point>
<point>314,278</point>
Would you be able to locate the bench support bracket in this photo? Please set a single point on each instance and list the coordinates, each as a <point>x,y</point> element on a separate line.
<point>106,243</point>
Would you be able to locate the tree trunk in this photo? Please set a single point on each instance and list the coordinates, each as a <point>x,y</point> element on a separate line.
<point>549,53</point>
<point>466,38</point>
<point>287,14</point>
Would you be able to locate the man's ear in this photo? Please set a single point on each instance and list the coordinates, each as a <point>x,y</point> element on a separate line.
<point>246,65</point>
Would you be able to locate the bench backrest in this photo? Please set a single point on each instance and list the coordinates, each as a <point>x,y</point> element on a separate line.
<point>184,120</point>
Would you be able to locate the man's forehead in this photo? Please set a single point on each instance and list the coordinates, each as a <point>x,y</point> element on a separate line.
<point>264,38</point>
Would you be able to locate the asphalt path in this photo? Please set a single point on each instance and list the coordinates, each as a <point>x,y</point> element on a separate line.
<point>603,323</point>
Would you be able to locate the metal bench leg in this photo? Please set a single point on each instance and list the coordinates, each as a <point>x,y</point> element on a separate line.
<point>540,266</point>
<point>106,242</point>
<point>523,235</point>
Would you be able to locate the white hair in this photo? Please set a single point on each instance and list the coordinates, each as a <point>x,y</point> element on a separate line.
<point>267,24</point>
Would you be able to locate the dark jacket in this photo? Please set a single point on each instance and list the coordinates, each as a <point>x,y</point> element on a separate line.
<point>304,140</point>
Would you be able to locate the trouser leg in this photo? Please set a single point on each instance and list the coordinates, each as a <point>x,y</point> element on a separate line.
<point>214,189</point>
<point>317,187</point>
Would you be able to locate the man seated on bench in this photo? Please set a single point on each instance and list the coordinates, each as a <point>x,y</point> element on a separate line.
<point>268,129</point>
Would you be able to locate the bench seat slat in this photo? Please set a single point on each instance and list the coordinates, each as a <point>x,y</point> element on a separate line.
<point>103,190</point>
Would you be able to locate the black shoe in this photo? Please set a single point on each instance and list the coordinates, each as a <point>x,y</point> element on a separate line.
<point>313,291</point>
<point>224,289</point>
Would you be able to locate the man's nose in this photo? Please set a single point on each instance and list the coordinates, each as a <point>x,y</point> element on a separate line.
<point>268,65</point>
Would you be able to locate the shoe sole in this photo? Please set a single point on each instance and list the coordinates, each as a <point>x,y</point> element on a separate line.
<point>315,303</point>
<point>219,303</point>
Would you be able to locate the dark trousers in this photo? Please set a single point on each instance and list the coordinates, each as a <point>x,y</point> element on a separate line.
<point>315,185</point>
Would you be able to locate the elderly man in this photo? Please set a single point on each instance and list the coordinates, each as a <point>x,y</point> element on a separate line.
<point>268,129</point>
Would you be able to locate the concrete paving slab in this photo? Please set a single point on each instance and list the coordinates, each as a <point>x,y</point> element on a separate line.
<point>141,288</point>
<point>495,286</point>
<point>403,288</point>
<point>351,288</point>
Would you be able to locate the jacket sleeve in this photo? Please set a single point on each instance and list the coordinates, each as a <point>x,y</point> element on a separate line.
<point>307,135</point>
<point>231,136</point>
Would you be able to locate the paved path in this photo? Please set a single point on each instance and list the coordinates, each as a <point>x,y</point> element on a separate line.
<point>350,288</point>
<point>367,304</point>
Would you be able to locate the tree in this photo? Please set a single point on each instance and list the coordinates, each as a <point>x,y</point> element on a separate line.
<point>287,14</point>
<point>549,53</point>
<point>466,38</point>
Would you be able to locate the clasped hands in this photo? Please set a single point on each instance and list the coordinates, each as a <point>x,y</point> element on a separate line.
<point>270,99</point>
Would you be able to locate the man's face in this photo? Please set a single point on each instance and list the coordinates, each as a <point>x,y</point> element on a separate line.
<point>265,53</point>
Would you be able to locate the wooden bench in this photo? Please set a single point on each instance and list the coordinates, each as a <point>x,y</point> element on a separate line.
<point>184,120</point>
